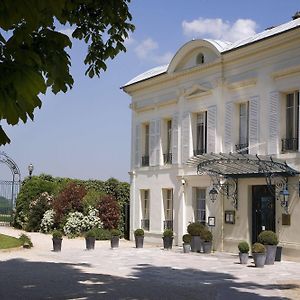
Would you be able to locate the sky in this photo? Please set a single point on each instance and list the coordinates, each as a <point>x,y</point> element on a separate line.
<point>86,133</point>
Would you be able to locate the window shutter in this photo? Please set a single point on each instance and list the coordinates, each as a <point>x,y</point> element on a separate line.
<point>274,121</point>
<point>211,128</point>
<point>137,159</point>
<point>157,142</point>
<point>175,139</point>
<point>152,143</point>
<point>229,115</point>
<point>185,136</point>
<point>254,125</point>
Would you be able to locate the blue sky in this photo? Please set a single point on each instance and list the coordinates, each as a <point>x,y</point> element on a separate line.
<point>85,133</point>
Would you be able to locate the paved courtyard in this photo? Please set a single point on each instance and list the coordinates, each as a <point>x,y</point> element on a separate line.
<point>129,273</point>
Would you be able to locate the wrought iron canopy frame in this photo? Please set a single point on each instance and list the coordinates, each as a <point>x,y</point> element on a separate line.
<point>225,169</point>
<point>4,158</point>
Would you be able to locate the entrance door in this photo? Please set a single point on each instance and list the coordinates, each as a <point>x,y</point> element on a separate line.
<point>263,210</point>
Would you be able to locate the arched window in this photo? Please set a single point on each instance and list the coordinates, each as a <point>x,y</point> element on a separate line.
<point>200,59</point>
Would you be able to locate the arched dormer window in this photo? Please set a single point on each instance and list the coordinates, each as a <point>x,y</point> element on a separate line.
<point>200,59</point>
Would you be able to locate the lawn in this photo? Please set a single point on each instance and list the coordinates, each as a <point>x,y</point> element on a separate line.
<point>9,242</point>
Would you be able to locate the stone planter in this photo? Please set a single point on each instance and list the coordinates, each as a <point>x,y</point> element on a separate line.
<point>278,253</point>
<point>114,242</point>
<point>196,244</point>
<point>270,254</point>
<point>139,241</point>
<point>168,242</point>
<point>186,248</point>
<point>259,259</point>
<point>56,244</point>
<point>90,243</point>
<point>243,258</point>
<point>207,246</point>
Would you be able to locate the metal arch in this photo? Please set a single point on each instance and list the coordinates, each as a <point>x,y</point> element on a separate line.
<point>4,158</point>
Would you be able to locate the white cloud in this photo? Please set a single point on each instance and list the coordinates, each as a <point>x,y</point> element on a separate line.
<point>219,29</point>
<point>164,58</point>
<point>129,41</point>
<point>67,31</point>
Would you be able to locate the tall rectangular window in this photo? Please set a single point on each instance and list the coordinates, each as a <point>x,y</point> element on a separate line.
<point>201,133</point>
<point>168,208</point>
<point>145,157</point>
<point>292,122</point>
<point>200,205</point>
<point>168,153</point>
<point>145,203</point>
<point>242,146</point>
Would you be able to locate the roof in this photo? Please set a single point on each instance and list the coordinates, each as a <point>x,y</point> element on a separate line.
<point>222,47</point>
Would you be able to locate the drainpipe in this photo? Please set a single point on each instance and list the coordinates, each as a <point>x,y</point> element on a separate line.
<point>222,223</point>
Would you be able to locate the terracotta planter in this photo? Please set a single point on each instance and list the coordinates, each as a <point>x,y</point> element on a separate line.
<point>114,242</point>
<point>243,258</point>
<point>56,244</point>
<point>139,241</point>
<point>168,242</point>
<point>90,243</point>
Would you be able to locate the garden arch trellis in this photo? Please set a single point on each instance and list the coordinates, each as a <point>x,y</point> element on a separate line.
<point>9,189</point>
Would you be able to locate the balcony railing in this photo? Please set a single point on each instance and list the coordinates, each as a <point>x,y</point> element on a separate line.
<point>168,224</point>
<point>289,144</point>
<point>145,224</point>
<point>199,151</point>
<point>145,160</point>
<point>167,158</point>
<point>242,148</point>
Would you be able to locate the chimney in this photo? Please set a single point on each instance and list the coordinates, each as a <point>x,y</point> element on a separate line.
<point>296,15</point>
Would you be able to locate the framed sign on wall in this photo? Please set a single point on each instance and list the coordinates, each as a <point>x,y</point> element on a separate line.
<point>229,216</point>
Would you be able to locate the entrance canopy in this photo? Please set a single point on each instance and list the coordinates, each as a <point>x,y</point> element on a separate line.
<point>236,165</point>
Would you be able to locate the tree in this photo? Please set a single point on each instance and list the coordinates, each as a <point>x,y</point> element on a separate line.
<point>33,53</point>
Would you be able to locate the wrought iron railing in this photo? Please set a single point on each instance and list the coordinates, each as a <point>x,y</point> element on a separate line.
<point>167,158</point>
<point>145,160</point>
<point>168,224</point>
<point>145,224</point>
<point>289,144</point>
<point>242,148</point>
<point>199,151</point>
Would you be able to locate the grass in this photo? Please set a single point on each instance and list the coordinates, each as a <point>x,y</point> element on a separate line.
<point>7,242</point>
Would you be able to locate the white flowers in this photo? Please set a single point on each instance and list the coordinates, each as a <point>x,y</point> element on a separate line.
<point>47,221</point>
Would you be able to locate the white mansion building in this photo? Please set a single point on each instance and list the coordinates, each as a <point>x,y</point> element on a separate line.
<point>215,139</point>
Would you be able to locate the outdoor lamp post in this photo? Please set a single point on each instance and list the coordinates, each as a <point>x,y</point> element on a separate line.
<point>30,170</point>
<point>284,198</point>
<point>213,193</point>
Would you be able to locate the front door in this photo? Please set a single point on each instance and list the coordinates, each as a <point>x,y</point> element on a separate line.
<point>263,210</point>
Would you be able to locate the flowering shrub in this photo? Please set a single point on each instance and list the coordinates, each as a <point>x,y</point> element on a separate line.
<point>47,223</point>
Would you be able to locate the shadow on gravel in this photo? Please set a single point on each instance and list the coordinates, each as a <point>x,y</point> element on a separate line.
<point>20,279</point>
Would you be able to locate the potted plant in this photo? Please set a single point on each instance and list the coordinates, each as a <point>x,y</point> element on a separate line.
<point>139,238</point>
<point>186,238</point>
<point>115,238</point>
<point>57,240</point>
<point>168,238</point>
<point>259,255</point>
<point>90,238</point>
<point>270,240</point>
<point>195,229</point>
<point>206,237</point>
<point>244,252</point>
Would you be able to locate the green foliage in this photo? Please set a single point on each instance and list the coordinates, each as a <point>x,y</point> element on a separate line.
<point>243,247</point>
<point>25,239</point>
<point>7,242</point>
<point>91,199</point>
<point>267,237</point>
<point>33,57</point>
<point>258,248</point>
<point>115,232</point>
<point>187,238</point>
<point>195,229</point>
<point>91,233</point>
<point>139,232</point>
<point>168,233</point>
<point>102,234</point>
<point>206,235</point>
<point>57,234</point>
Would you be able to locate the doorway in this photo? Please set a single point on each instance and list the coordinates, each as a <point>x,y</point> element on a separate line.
<point>263,210</point>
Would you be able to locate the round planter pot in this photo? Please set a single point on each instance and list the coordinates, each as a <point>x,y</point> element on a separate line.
<point>270,254</point>
<point>168,242</point>
<point>139,241</point>
<point>186,248</point>
<point>207,246</point>
<point>114,241</point>
<point>259,259</point>
<point>243,258</point>
<point>90,243</point>
<point>56,244</point>
<point>196,244</point>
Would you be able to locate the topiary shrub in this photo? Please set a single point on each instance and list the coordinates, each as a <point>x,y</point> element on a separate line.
<point>57,234</point>
<point>187,238</point>
<point>90,233</point>
<point>115,232</point>
<point>267,237</point>
<point>195,229</point>
<point>109,212</point>
<point>139,232</point>
<point>243,247</point>
<point>206,235</point>
<point>258,248</point>
<point>168,233</point>
<point>102,234</point>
